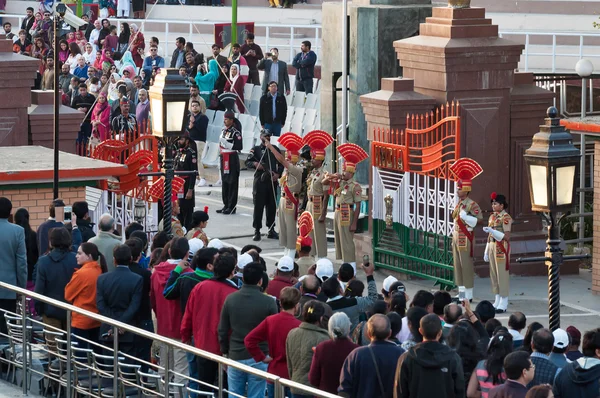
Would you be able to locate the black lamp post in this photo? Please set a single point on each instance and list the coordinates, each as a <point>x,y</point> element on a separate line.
<point>61,9</point>
<point>169,97</point>
<point>552,162</point>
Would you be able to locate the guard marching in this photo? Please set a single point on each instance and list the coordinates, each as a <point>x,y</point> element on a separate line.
<point>291,185</point>
<point>497,250</point>
<point>348,196</point>
<point>317,190</point>
<point>466,215</point>
<point>186,160</point>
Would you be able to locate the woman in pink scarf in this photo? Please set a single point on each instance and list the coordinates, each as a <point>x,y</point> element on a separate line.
<point>100,118</point>
<point>80,40</point>
<point>71,37</point>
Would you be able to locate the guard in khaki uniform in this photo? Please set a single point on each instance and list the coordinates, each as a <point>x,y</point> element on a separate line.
<point>466,215</point>
<point>317,191</point>
<point>291,185</point>
<point>497,250</point>
<point>348,195</point>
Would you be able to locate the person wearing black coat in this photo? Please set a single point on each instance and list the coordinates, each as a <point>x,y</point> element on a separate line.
<point>86,227</point>
<point>272,117</point>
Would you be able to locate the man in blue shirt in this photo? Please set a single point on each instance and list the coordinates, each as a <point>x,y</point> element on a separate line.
<point>178,57</point>
<point>273,110</point>
<point>154,61</point>
<point>305,62</point>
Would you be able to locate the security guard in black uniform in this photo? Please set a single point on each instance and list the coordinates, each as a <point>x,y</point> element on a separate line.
<point>186,159</point>
<point>230,143</point>
<point>264,189</point>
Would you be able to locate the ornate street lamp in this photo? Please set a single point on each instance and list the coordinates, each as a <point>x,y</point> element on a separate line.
<point>169,99</point>
<point>552,162</point>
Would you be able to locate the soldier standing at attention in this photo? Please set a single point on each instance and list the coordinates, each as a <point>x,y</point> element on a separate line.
<point>186,160</point>
<point>466,215</point>
<point>497,250</point>
<point>291,184</point>
<point>348,196</point>
<point>230,143</point>
<point>317,191</point>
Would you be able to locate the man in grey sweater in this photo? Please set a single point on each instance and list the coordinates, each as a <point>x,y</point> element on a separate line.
<point>242,312</point>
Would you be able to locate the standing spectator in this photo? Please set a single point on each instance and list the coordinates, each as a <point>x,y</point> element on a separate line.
<point>216,55</point>
<point>274,330</point>
<point>490,372</point>
<point>13,260</point>
<point>441,299</point>
<point>137,86</point>
<point>452,313</point>
<point>581,378</point>
<point>202,315</point>
<point>485,311</point>
<point>81,292</point>
<point>253,54</point>
<point>123,8</point>
<point>545,370</point>
<point>531,329</point>
<point>207,83</point>
<point>311,290</point>
<point>106,240</point>
<point>543,391</point>
<point>423,299</point>
<point>275,70</point>
<point>330,355</point>
<point>84,223</point>
<point>137,45</point>
<point>273,110</point>
<point>178,57</point>
<point>94,36</point>
<point>197,127</point>
<point>561,345</point>
<point>123,121</point>
<point>414,316</point>
<point>168,313</point>
<point>369,371</point>
<point>142,110</point>
<point>54,271</point>
<point>84,103</point>
<point>519,371</point>
<point>48,76</point>
<point>21,218</point>
<point>235,85</point>
<point>573,353</point>
<point>124,36</point>
<point>28,21</point>
<point>101,118</point>
<point>301,341</point>
<point>57,215</point>
<point>283,277</point>
<point>516,323</point>
<point>304,62</point>
<point>242,312</point>
<point>430,369</point>
<point>463,340</point>
<point>118,296</point>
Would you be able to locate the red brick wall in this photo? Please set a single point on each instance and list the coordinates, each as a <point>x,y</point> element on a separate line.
<point>596,250</point>
<point>37,200</point>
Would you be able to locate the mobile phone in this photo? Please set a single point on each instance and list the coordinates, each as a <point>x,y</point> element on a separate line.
<point>461,293</point>
<point>268,54</point>
<point>366,259</point>
<point>68,210</point>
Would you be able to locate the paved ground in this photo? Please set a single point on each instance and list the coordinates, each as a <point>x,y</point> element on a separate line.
<point>579,307</point>
<point>8,390</point>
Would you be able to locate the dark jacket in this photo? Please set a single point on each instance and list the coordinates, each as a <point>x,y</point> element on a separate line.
<point>430,369</point>
<point>32,253</point>
<point>282,78</point>
<point>260,154</point>
<point>54,271</point>
<point>179,286</point>
<point>86,227</point>
<point>359,378</point>
<point>510,389</point>
<point>145,311</point>
<point>545,370</point>
<point>579,379</point>
<point>243,311</point>
<point>85,101</point>
<point>13,257</point>
<point>199,128</point>
<point>305,65</point>
<point>266,109</point>
<point>118,296</point>
<point>43,232</point>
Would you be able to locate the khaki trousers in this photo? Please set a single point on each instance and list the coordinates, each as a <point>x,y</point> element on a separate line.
<point>318,234</point>
<point>499,276</point>
<point>200,148</point>
<point>463,263</point>
<point>287,226</point>
<point>177,363</point>
<point>344,239</point>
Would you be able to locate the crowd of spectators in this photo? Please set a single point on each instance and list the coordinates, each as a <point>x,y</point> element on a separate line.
<point>315,327</point>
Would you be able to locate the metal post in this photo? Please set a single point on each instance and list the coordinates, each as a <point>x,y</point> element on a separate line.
<point>69,365</point>
<point>279,389</point>
<point>115,361</point>
<point>581,229</point>
<point>167,370</point>
<point>591,84</point>
<point>220,381</point>
<point>25,340</point>
<point>57,103</point>
<point>554,256</point>
<point>169,174</point>
<point>291,44</point>
<point>583,96</point>
<point>342,137</point>
<point>234,31</point>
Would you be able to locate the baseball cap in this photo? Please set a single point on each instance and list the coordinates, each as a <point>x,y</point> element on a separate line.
<point>216,243</point>
<point>387,283</point>
<point>324,269</point>
<point>244,260</point>
<point>561,338</point>
<point>574,333</point>
<point>195,245</point>
<point>285,264</point>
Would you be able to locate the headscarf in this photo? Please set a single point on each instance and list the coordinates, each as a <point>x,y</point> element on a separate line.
<point>206,83</point>
<point>127,60</point>
<point>125,34</point>
<point>99,107</point>
<point>233,79</point>
<point>134,28</point>
<point>91,57</point>
<point>104,58</point>
<point>73,40</point>
<point>113,91</point>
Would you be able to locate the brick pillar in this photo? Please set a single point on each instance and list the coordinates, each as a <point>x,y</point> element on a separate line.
<point>596,248</point>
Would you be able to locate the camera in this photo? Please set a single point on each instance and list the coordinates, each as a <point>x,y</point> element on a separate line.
<point>68,211</point>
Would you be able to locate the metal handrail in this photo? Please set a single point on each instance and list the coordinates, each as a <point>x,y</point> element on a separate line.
<point>276,380</point>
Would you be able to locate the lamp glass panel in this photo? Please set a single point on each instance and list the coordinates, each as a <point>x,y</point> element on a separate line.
<point>539,184</point>
<point>157,115</point>
<point>175,113</point>
<point>565,180</point>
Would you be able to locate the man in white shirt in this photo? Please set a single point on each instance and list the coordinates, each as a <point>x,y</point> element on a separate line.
<point>95,34</point>
<point>516,323</point>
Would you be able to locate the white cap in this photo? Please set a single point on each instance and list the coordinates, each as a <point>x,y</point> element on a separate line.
<point>388,282</point>
<point>216,243</point>
<point>561,338</point>
<point>324,269</point>
<point>285,264</point>
<point>244,260</point>
<point>195,245</point>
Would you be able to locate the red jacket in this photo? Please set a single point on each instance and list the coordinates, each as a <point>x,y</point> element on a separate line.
<point>274,330</point>
<point>203,313</point>
<point>168,312</point>
<point>277,284</point>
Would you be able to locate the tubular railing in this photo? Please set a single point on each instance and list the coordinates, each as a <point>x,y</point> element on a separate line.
<point>99,367</point>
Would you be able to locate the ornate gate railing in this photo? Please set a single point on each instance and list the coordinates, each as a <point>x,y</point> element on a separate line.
<point>413,194</point>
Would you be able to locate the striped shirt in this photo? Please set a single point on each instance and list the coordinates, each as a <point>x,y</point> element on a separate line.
<point>485,382</point>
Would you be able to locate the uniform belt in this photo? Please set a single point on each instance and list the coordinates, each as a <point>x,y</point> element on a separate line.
<point>283,195</point>
<point>311,197</point>
<point>339,206</point>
